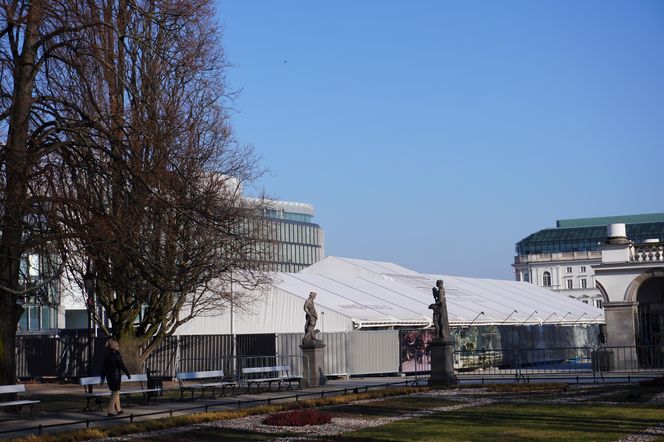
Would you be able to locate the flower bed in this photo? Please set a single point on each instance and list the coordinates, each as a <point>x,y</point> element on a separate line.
<point>298,418</point>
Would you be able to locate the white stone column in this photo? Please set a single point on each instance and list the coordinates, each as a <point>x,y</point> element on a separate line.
<point>620,320</point>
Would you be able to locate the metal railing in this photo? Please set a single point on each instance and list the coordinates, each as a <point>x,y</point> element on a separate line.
<point>560,361</point>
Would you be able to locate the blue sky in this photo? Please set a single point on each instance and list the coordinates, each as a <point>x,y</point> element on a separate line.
<point>436,134</point>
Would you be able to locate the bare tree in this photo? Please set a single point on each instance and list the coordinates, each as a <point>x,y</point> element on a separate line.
<point>161,219</point>
<point>119,156</point>
<point>30,34</point>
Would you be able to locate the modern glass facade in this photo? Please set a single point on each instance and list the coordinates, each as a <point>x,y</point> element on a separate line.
<point>295,241</point>
<point>298,245</point>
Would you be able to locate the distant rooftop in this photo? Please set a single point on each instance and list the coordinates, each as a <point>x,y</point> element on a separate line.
<point>606,220</point>
<point>586,234</point>
<point>287,210</point>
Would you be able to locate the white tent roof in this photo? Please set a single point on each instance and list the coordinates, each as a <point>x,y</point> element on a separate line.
<point>378,294</point>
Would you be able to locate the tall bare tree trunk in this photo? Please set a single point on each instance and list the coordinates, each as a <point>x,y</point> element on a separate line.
<point>17,170</point>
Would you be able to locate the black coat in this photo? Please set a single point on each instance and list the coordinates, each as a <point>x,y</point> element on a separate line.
<point>112,369</point>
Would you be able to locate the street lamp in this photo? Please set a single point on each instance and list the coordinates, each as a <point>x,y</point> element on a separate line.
<point>89,285</point>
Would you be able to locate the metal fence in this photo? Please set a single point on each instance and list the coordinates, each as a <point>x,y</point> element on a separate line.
<point>57,357</point>
<point>346,354</point>
<point>553,361</point>
<point>351,353</point>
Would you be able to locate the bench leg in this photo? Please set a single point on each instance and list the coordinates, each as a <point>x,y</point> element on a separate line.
<point>151,397</point>
<point>223,389</point>
<point>87,403</point>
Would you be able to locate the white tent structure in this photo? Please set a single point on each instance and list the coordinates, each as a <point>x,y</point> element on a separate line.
<point>358,294</point>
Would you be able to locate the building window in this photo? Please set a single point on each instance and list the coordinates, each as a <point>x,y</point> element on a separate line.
<point>584,283</point>
<point>569,270</point>
<point>546,279</point>
<point>583,269</point>
<point>570,284</point>
<point>598,303</point>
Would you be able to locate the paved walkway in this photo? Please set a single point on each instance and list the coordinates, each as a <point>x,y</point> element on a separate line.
<point>69,420</point>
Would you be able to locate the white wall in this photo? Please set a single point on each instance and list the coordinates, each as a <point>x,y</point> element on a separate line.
<point>275,312</point>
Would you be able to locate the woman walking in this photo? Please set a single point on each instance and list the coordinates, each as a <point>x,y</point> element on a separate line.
<point>111,370</point>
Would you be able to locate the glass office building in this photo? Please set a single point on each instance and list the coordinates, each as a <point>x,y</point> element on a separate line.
<point>297,241</point>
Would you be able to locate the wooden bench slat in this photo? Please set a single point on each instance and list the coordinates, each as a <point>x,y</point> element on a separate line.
<point>18,403</point>
<point>18,388</point>
<point>21,402</point>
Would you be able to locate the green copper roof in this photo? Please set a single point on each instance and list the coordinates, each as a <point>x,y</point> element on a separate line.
<point>578,239</point>
<point>605,220</point>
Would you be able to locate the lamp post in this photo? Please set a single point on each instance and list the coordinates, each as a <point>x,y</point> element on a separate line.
<point>89,285</point>
<point>232,318</point>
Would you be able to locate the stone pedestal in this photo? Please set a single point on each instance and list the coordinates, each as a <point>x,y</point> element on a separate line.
<point>620,320</point>
<point>313,362</point>
<point>620,323</point>
<point>442,363</point>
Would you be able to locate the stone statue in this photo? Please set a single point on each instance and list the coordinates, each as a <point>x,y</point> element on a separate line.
<point>439,308</point>
<point>442,346</point>
<point>310,318</point>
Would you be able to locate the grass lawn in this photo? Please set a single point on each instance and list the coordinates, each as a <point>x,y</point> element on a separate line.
<point>521,422</point>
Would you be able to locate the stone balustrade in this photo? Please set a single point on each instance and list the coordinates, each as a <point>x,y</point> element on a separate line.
<point>648,252</point>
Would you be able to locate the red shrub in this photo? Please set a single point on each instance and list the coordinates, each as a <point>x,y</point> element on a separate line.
<point>298,418</point>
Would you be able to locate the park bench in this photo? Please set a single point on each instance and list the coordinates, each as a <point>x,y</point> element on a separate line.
<point>18,403</point>
<point>205,380</point>
<point>268,375</point>
<point>134,386</point>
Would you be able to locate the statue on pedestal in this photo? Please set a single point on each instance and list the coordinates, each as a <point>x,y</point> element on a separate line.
<point>311,316</point>
<point>442,346</point>
<point>313,354</point>
<point>439,308</point>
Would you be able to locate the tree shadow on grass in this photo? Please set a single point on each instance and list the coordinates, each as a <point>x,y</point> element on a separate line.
<point>390,408</point>
<point>508,422</point>
<point>539,420</point>
<point>213,434</point>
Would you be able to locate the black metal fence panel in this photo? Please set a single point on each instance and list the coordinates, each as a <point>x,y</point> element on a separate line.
<point>66,357</point>
<point>256,345</point>
<point>162,362</point>
<point>209,352</point>
<point>61,357</point>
